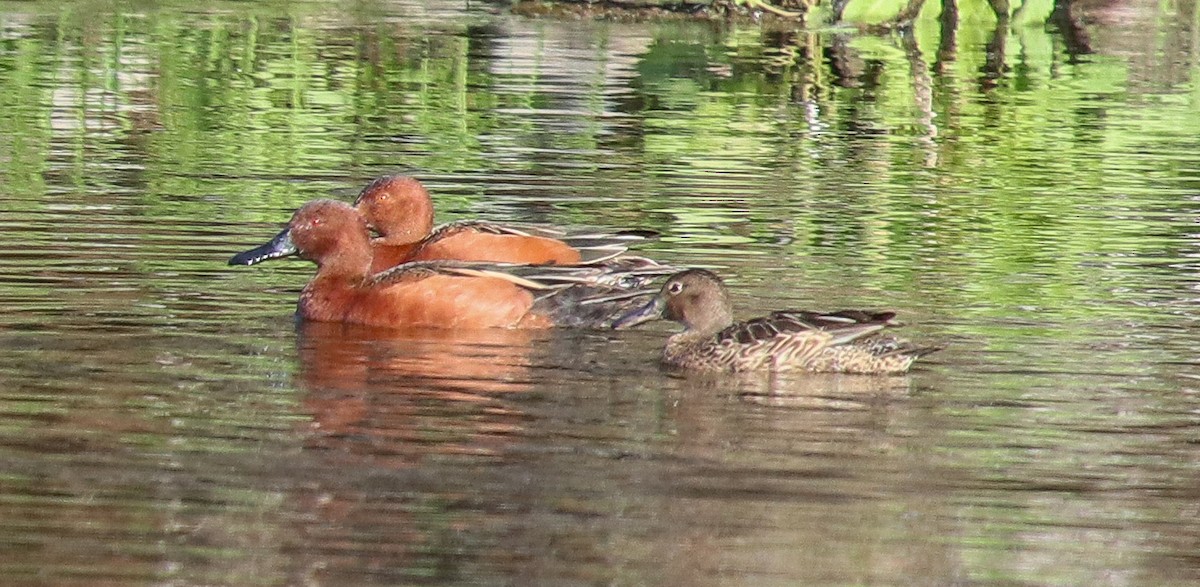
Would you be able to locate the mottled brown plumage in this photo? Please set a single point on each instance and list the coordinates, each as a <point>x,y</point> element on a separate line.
<point>837,342</point>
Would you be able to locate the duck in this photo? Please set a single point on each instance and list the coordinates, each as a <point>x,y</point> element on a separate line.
<point>846,341</point>
<point>399,209</point>
<point>442,294</point>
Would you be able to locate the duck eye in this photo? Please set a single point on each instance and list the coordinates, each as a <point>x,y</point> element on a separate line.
<point>675,288</point>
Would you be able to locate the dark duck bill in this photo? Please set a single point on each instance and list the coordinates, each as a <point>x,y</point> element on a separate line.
<point>280,246</point>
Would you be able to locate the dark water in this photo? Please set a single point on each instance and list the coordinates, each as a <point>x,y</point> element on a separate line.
<point>1026,196</point>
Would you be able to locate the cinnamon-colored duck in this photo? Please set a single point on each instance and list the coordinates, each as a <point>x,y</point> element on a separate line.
<point>399,208</point>
<point>334,235</point>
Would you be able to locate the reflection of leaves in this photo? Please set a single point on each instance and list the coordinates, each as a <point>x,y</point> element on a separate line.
<point>874,11</point>
<point>807,141</point>
<point>674,58</point>
<point>1006,228</point>
<point>973,12</point>
<point>24,128</point>
<point>1031,12</point>
<point>675,94</point>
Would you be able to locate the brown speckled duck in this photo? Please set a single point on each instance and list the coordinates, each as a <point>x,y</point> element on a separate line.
<point>838,342</point>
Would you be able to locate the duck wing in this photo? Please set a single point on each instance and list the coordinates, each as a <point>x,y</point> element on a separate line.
<point>844,326</point>
<point>593,247</point>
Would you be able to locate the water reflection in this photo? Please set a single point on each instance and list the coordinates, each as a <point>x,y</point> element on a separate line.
<point>470,482</point>
<point>1025,196</point>
<point>400,395</point>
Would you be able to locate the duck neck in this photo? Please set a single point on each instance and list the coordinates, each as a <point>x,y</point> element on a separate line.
<point>684,344</point>
<point>696,335</point>
<point>349,261</point>
<point>406,237</point>
<point>689,337</point>
<point>714,320</point>
<point>340,278</point>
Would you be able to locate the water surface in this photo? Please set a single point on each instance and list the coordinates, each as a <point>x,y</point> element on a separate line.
<point>1024,196</point>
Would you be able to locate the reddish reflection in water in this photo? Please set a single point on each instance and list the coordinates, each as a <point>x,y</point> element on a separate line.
<point>399,394</point>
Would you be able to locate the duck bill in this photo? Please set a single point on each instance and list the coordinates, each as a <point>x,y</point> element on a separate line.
<point>280,246</point>
<point>652,310</point>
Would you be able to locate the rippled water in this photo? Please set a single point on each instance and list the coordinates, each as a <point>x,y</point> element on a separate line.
<point>1027,199</point>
